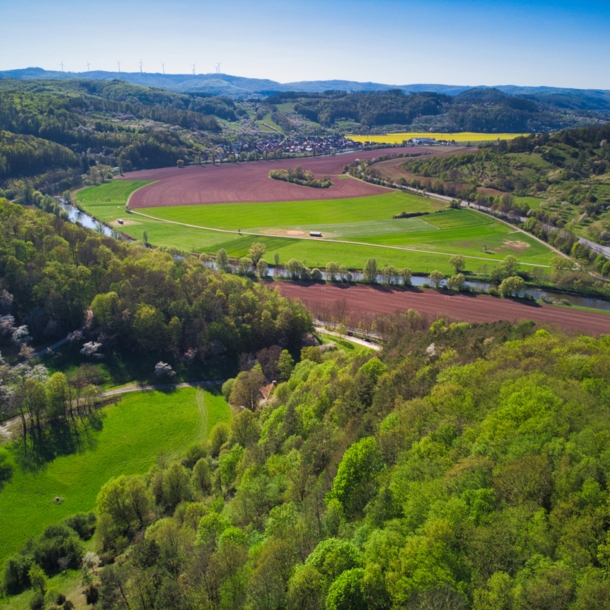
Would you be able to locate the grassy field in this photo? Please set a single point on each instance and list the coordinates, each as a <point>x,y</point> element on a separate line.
<point>292,213</point>
<point>423,243</point>
<point>135,432</point>
<point>466,136</point>
<point>108,196</point>
<point>343,343</point>
<point>452,232</point>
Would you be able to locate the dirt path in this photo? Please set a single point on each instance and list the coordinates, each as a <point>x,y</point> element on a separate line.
<point>164,386</point>
<point>458,306</point>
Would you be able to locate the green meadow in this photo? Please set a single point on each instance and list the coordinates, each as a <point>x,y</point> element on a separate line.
<point>353,229</point>
<point>134,433</point>
<point>247,216</point>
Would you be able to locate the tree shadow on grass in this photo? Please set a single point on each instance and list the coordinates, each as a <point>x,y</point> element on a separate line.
<point>58,438</point>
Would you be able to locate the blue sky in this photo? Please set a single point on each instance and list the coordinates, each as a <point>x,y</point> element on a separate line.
<point>468,42</point>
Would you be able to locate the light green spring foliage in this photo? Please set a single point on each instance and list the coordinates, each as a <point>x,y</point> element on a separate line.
<point>472,475</point>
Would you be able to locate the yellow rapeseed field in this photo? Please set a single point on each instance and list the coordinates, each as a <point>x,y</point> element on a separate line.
<point>466,136</point>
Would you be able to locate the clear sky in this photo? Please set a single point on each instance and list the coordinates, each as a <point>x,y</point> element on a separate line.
<point>563,43</point>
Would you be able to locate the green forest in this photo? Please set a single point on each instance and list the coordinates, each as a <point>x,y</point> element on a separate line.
<point>480,110</point>
<point>143,301</point>
<point>460,467</point>
<point>78,124</point>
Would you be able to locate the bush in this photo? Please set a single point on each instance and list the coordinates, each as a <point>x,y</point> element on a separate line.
<point>58,542</point>
<point>91,595</point>
<point>16,573</point>
<point>83,524</point>
<point>227,388</point>
<point>193,454</point>
<point>219,435</point>
<point>298,175</point>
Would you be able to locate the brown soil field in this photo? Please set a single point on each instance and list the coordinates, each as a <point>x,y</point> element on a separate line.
<point>250,182</point>
<point>370,300</point>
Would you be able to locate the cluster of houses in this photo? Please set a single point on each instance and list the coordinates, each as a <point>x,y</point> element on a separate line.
<point>322,145</point>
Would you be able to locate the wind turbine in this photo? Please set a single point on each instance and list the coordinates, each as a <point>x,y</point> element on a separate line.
<point>218,68</point>
<point>140,64</point>
<point>193,66</point>
<point>88,65</point>
<point>163,67</point>
<point>119,64</point>
<point>62,66</point>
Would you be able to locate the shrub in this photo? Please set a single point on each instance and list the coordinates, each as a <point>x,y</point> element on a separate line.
<point>16,571</point>
<point>219,435</point>
<point>58,542</point>
<point>83,524</point>
<point>227,388</point>
<point>193,454</point>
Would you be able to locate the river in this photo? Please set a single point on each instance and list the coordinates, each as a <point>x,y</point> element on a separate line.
<point>77,216</point>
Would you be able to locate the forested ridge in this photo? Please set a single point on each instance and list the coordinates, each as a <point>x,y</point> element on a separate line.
<point>480,110</point>
<point>464,468</point>
<point>112,123</point>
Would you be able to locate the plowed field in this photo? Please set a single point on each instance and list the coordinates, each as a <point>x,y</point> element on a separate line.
<point>250,182</point>
<point>383,301</point>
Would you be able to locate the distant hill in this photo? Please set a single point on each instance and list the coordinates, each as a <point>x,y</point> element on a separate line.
<point>238,86</point>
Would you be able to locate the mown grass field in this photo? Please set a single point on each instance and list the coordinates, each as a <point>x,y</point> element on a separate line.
<point>142,426</point>
<point>108,199</point>
<point>465,136</point>
<point>422,243</point>
<point>292,213</point>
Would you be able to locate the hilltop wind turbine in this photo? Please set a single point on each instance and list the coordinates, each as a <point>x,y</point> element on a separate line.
<point>193,66</point>
<point>140,64</point>
<point>119,65</point>
<point>62,66</point>
<point>88,66</point>
<point>218,68</point>
<point>163,67</point>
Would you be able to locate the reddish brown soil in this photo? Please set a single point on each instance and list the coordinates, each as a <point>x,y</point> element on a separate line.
<point>250,182</point>
<point>384,301</point>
